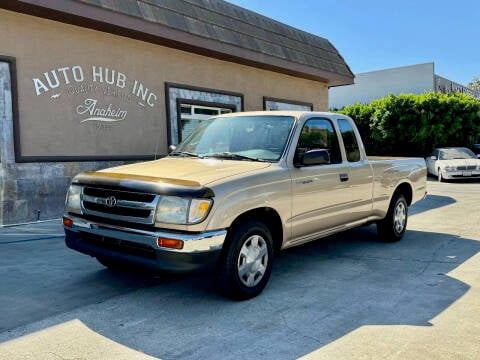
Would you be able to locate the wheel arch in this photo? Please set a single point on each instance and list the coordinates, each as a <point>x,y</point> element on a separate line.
<point>405,189</point>
<point>269,217</point>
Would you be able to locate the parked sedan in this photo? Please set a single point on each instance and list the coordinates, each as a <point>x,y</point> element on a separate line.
<point>453,163</point>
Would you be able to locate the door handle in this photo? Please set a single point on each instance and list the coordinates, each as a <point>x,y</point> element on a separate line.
<point>343,177</point>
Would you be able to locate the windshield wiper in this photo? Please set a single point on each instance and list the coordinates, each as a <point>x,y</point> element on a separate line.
<point>185,153</point>
<point>233,156</point>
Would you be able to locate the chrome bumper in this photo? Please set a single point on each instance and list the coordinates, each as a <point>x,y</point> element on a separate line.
<point>470,174</point>
<point>192,243</point>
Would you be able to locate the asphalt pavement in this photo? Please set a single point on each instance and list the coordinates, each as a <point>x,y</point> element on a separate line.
<point>348,296</point>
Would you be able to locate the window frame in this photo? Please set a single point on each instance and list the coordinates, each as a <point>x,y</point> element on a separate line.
<point>173,91</point>
<point>266,99</point>
<point>198,103</point>
<point>334,132</point>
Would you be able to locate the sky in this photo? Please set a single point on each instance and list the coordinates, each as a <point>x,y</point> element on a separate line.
<point>374,35</point>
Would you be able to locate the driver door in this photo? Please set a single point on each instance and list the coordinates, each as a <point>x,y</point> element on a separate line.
<point>321,194</point>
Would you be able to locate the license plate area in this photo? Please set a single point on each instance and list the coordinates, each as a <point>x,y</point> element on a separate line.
<point>467,173</point>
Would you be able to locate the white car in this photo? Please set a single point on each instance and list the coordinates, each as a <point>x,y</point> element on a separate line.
<point>453,163</point>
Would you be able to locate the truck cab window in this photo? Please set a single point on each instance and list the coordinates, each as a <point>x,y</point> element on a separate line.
<point>318,134</point>
<point>349,140</point>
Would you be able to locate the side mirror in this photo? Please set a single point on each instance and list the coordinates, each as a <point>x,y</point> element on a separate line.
<point>172,148</point>
<point>314,157</point>
<point>433,157</point>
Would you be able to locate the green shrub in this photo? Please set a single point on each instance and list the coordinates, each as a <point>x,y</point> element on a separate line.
<point>412,125</point>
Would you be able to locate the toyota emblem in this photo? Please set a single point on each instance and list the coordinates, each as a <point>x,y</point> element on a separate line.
<point>111,201</point>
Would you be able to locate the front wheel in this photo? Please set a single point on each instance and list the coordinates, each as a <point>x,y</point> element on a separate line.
<point>393,226</point>
<point>440,177</point>
<point>246,262</point>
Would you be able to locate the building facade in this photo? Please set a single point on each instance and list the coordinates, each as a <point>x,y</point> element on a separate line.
<point>88,84</point>
<point>413,79</point>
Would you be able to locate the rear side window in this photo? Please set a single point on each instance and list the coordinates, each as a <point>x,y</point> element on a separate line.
<point>349,140</point>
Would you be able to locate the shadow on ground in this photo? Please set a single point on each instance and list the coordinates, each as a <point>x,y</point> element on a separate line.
<point>318,293</point>
<point>431,202</point>
<point>44,278</point>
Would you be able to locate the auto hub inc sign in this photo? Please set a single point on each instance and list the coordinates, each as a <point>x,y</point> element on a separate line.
<point>89,111</point>
<point>102,94</point>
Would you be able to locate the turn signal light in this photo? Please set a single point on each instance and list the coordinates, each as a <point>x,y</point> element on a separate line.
<point>67,222</point>
<point>170,243</point>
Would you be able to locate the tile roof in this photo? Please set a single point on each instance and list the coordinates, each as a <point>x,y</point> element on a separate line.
<point>213,28</point>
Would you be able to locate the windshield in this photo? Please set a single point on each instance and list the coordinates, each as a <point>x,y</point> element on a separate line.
<point>258,138</point>
<point>456,153</point>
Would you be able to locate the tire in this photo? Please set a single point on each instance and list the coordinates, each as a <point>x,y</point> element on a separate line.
<point>393,226</point>
<point>440,177</point>
<point>246,262</point>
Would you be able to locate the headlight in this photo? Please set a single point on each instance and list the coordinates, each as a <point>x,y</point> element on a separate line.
<point>179,210</point>
<point>450,168</point>
<point>72,203</point>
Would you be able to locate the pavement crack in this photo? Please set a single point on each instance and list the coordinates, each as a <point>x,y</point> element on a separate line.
<point>285,323</point>
<point>434,255</point>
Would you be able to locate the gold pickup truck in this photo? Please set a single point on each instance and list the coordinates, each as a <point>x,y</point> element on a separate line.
<point>240,188</point>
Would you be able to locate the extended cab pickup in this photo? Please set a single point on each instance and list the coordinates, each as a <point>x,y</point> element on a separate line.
<point>241,187</point>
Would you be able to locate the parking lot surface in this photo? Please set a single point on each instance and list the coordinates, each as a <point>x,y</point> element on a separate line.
<point>348,296</point>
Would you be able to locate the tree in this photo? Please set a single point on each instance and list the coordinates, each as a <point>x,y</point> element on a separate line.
<point>475,83</point>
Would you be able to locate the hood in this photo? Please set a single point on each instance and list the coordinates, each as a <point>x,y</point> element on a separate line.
<point>184,171</point>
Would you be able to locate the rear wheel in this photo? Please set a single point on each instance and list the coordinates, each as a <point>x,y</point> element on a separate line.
<point>246,262</point>
<point>393,226</point>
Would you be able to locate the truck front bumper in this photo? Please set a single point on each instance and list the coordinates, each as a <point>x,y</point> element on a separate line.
<point>140,248</point>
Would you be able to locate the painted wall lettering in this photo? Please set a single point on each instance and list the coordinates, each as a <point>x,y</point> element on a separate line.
<point>144,94</point>
<point>56,77</point>
<point>97,113</point>
<point>98,93</point>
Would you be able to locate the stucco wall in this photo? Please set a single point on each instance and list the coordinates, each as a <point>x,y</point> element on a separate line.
<point>49,119</point>
<point>30,191</point>
<point>43,48</point>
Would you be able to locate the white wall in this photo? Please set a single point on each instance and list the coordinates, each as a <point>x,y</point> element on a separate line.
<point>369,86</point>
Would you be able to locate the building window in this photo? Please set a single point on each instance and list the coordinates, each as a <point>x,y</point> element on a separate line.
<point>282,104</point>
<point>9,126</point>
<point>188,105</point>
<point>191,115</point>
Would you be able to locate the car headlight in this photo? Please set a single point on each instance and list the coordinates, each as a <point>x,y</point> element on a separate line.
<point>72,202</point>
<point>180,210</point>
<point>450,168</point>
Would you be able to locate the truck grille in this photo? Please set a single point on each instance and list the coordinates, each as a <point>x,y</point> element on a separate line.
<point>119,204</point>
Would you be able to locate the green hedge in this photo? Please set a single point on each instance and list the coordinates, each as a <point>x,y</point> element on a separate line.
<point>413,125</point>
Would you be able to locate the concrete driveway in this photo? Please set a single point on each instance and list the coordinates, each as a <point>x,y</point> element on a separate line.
<point>345,297</point>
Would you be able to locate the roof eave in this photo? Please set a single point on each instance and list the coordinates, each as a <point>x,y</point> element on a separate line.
<point>105,20</point>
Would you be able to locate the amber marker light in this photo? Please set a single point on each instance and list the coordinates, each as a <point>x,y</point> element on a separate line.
<point>67,222</point>
<point>170,243</point>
